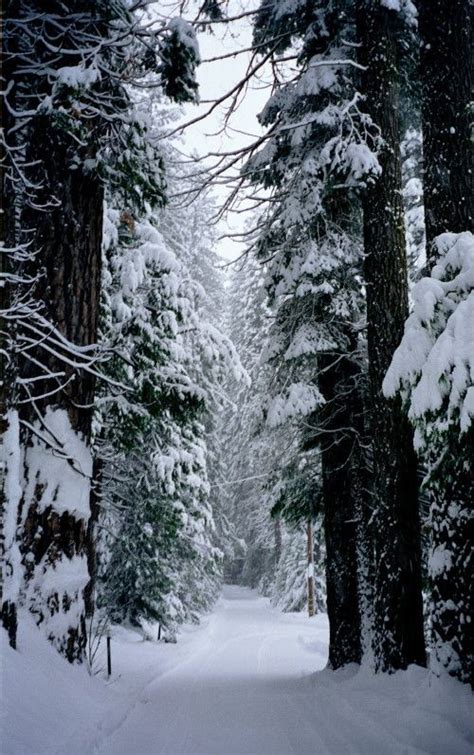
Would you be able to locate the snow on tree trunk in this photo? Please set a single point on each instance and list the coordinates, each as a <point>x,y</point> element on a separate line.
<point>54,510</point>
<point>10,486</point>
<point>9,504</point>
<point>398,614</point>
<point>361,483</point>
<point>54,514</point>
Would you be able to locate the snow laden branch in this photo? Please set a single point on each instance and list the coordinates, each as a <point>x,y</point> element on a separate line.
<point>433,367</point>
<point>433,370</point>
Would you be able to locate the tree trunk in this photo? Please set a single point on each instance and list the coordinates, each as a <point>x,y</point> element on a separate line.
<point>451,560</point>
<point>9,429</point>
<point>278,542</point>
<point>55,507</point>
<point>336,382</point>
<point>398,615</point>
<point>362,476</point>
<point>310,576</point>
<point>446,80</point>
<point>10,482</point>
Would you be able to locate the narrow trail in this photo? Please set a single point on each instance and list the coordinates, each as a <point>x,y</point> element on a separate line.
<point>246,686</point>
<point>239,690</point>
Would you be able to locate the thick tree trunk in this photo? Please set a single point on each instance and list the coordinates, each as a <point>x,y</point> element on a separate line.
<point>398,615</point>
<point>9,427</point>
<point>310,575</point>
<point>68,235</point>
<point>336,382</point>
<point>451,559</point>
<point>362,476</point>
<point>55,507</point>
<point>446,79</point>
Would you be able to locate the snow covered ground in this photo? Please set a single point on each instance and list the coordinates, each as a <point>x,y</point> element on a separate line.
<point>248,680</point>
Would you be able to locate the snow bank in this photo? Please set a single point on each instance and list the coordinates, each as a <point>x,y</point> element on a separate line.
<point>410,711</point>
<point>50,707</point>
<point>47,705</point>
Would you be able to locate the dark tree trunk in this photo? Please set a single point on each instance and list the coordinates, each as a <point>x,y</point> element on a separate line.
<point>451,564</point>
<point>310,561</point>
<point>362,477</point>
<point>446,79</point>
<point>278,542</point>
<point>398,615</point>
<point>66,236</point>
<point>8,346</point>
<point>336,382</point>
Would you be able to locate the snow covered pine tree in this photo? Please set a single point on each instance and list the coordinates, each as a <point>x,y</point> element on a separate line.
<point>320,149</point>
<point>70,131</point>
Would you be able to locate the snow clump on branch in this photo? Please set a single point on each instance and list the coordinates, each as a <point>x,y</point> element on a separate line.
<point>433,368</point>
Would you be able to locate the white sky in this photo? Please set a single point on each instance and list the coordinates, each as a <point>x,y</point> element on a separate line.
<point>215,79</point>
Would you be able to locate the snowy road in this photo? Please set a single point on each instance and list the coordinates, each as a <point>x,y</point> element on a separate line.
<point>247,686</point>
<point>242,690</point>
<point>247,681</point>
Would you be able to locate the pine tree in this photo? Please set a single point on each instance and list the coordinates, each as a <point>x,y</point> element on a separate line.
<point>162,562</point>
<point>290,589</point>
<point>431,369</point>
<point>247,444</point>
<point>321,149</point>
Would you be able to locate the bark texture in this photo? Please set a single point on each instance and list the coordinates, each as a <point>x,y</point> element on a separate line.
<point>398,617</point>
<point>68,238</point>
<point>446,78</point>
<point>452,495</point>
<point>8,350</point>
<point>310,577</point>
<point>336,382</point>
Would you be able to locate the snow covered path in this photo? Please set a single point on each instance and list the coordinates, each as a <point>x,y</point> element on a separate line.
<point>247,686</point>
<point>242,690</point>
<point>247,681</point>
